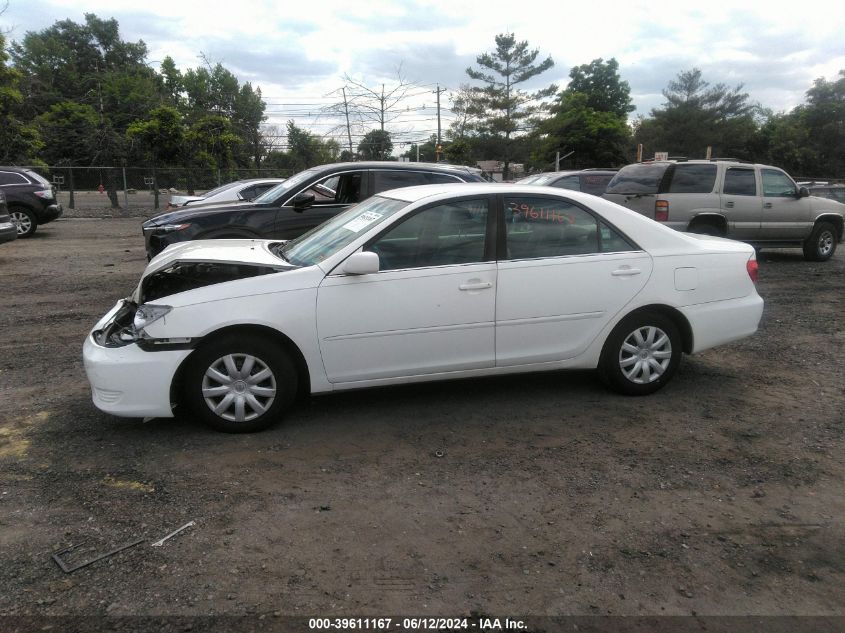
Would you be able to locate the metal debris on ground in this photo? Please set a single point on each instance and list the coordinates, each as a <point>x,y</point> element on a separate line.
<point>68,568</point>
<point>160,542</point>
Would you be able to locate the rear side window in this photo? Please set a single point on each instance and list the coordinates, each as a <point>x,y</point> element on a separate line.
<point>385,180</point>
<point>740,182</point>
<point>692,178</point>
<point>441,179</point>
<point>639,178</point>
<point>12,178</point>
<point>570,182</point>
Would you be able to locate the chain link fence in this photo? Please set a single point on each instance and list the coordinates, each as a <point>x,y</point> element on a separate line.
<point>130,190</point>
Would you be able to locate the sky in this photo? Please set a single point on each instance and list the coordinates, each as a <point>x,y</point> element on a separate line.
<point>299,52</point>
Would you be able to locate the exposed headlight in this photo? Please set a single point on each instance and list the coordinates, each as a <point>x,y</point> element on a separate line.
<point>147,314</point>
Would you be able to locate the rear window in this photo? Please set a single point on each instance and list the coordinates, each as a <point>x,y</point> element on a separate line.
<point>639,178</point>
<point>595,183</point>
<point>692,178</point>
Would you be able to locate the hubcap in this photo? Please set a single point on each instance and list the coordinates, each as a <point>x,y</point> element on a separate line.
<point>825,243</point>
<point>239,387</point>
<point>21,221</point>
<point>645,355</point>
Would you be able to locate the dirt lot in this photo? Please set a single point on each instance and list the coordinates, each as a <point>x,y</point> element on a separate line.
<point>722,494</point>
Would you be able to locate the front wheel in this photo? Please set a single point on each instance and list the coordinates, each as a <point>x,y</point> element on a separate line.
<point>24,220</point>
<point>240,384</point>
<point>641,354</point>
<point>821,245</point>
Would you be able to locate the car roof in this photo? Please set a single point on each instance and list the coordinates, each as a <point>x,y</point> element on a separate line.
<point>389,164</point>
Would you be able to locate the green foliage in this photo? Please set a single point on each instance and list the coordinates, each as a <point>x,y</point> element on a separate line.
<point>500,108</point>
<point>161,136</point>
<point>604,89</point>
<point>598,138</point>
<point>696,115</point>
<point>376,145</point>
<point>70,132</point>
<point>19,141</point>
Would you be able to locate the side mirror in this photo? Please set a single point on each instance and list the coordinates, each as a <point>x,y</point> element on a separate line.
<point>364,263</point>
<point>302,201</point>
<point>803,192</point>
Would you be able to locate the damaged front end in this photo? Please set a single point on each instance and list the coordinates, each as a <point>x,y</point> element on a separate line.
<point>134,314</point>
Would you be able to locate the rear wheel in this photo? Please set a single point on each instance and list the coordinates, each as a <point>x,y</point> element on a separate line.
<point>641,354</point>
<point>24,220</point>
<point>240,384</point>
<point>821,245</point>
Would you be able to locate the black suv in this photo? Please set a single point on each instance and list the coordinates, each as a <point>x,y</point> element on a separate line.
<point>30,199</point>
<point>298,204</point>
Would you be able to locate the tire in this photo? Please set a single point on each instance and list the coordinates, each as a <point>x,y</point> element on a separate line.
<point>821,245</point>
<point>628,344</point>
<point>214,379</point>
<point>706,228</point>
<point>24,220</point>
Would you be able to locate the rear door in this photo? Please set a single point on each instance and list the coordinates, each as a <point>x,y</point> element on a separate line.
<point>741,202</point>
<point>563,274</point>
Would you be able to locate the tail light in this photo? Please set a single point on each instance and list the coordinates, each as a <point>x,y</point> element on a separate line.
<point>752,267</point>
<point>661,210</point>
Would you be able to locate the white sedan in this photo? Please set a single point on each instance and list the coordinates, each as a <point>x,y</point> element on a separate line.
<point>417,284</point>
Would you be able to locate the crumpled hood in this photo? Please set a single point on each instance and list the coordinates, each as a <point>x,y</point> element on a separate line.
<point>223,251</point>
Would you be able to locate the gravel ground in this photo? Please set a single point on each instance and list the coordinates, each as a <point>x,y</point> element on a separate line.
<point>722,494</point>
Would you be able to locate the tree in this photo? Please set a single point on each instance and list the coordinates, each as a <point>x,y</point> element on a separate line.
<point>19,142</point>
<point>160,137</point>
<point>376,145</point>
<point>70,132</point>
<point>503,110</point>
<point>598,138</point>
<point>696,115</point>
<point>600,82</point>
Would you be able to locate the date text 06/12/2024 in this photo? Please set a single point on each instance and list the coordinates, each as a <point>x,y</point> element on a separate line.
<point>416,624</point>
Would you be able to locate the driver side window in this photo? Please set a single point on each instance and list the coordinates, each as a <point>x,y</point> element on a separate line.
<point>777,184</point>
<point>447,234</point>
<point>337,189</point>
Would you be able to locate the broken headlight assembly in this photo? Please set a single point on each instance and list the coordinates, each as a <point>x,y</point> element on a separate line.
<point>128,323</point>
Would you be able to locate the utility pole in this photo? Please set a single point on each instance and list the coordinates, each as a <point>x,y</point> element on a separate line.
<point>438,147</point>
<point>348,131</point>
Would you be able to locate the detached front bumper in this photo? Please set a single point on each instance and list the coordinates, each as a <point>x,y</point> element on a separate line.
<point>8,232</point>
<point>127,381</point>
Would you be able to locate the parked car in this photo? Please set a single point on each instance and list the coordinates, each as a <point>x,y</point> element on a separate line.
<point>30,198</point>
<point>834,192</point>
<point>754,203</point>
<point>298,204</point>
<point>417,284</point>
<point>237,191</point>
<point>8,230</point>
<point>592,181</point>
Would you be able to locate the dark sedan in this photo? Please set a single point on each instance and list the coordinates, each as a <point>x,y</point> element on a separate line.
<point>593,181</point>
<point>298,204</point>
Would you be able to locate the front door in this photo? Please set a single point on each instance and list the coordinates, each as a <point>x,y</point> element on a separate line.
<point>565,274</point>
<point>332,194</point>
<point>785,215</point>
<point>429,309</point>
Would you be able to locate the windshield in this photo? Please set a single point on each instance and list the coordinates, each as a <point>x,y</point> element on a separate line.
<point>638,178</point>
<point>220,189</point>
<point>272,195</point>
<point>331,236</point>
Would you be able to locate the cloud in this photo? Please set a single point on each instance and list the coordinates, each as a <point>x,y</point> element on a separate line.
<point>287,67</point>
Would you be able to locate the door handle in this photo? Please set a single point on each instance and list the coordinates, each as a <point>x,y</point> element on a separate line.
<point>480,285</point>
<point>626,272</point>
<point>729,205</point>
<point>767,205</point>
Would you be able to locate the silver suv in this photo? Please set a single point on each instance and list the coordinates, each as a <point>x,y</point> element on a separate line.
<point>758,204</point>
